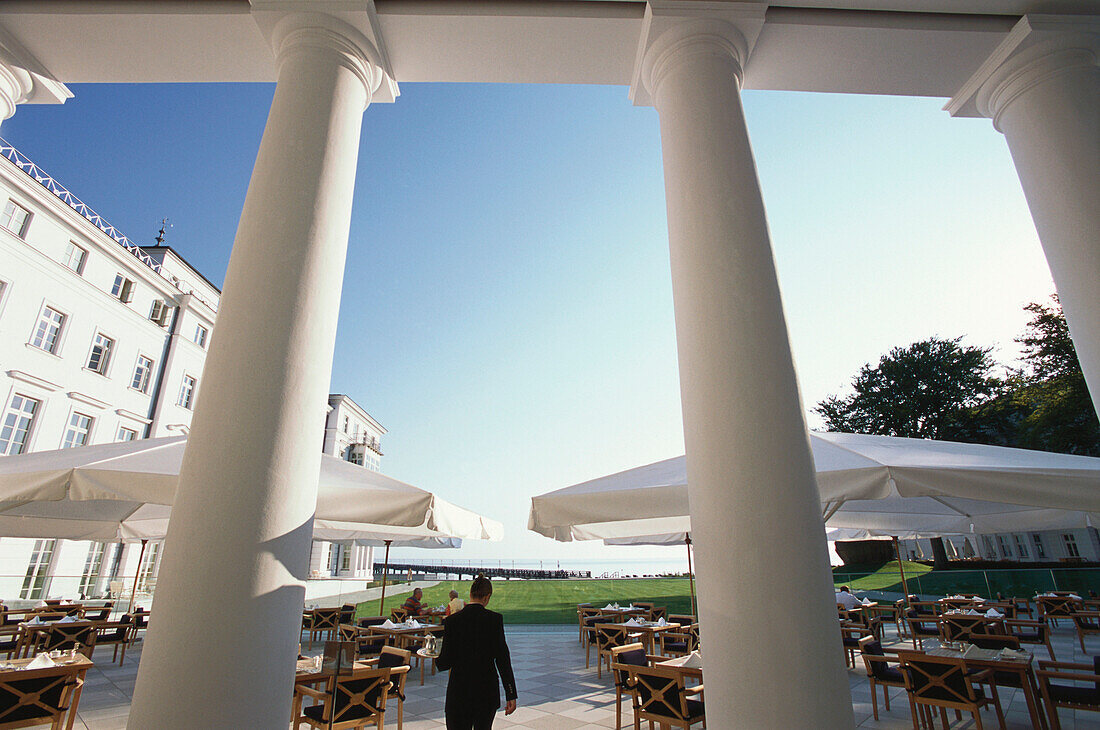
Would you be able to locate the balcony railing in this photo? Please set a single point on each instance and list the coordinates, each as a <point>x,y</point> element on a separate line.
<point>40,176</point>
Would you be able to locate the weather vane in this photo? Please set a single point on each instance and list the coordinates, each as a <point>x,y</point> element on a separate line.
<point>160,236</point>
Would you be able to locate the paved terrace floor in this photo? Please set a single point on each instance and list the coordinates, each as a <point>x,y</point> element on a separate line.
<point>557,692</point>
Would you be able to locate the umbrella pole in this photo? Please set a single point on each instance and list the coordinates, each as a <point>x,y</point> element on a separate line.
<point>385,572</point>
<point>691,576</point>
<point>137,574</point>
<point>901,569</point>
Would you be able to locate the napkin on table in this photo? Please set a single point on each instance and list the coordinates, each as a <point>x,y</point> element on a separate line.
<point>972,612</point>
<point>994,613</point>
<point>631,622</point>
<point>608,607</point>
<point>68,620</point>
<point>42,661</point>
<point>661,621</point>
<point>41,604</point>
<point>387,624</point>
<point>694,660</point>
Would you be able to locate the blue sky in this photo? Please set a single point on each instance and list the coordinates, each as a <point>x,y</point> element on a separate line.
<point>507,307</point>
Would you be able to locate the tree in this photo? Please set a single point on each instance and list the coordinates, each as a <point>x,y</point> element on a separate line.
<point>929,389</point>
<point>1051,390</point>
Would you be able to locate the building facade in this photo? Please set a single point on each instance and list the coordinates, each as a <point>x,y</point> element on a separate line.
<point>1044,546</point>
<point>102,340</point>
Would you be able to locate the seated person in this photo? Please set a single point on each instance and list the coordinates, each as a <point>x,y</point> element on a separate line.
<point>846,599</point>
<point>412,603</point>
<point>455,605</point>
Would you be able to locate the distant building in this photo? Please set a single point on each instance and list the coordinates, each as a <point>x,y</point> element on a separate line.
<point>102,340</point>
<point>1042,546</point>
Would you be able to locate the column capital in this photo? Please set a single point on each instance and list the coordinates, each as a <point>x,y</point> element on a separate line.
<point>295,25</point>
<point>673,30</point>
<point>1038,48</point>
<point>24,80</point>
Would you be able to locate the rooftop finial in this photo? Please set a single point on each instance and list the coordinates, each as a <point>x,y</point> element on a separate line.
<point>160,236</point>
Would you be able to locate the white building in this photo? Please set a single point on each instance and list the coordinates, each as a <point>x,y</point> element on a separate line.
<point>100,341</point>
<point>1045,546</point>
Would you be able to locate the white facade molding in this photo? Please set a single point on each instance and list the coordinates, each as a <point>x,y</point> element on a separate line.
<point>33,380</point>
<point>23,79</point>
<point>674,30</point>
<point>133,416</point>
<point>89,400</point>
<point>1038,48</point>
<point>349,28</point>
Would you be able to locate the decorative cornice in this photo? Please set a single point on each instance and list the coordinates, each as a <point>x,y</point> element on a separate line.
<point>33,380</point>
<point>24,79</point>
<point>89,400</point>
<point>1038,48</point>
<point>674,30</point>
<point>133,416</point>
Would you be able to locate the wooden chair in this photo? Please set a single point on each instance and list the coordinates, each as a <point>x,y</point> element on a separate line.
<point>1031,632</point>
<point>40,696</point>
<point>680,642</point>
<point>609,636</point>
<point>659,695</point>
<point>399,662</point>
<point>1086,622</point>
<point>66,636</point>
<point>1020,606</point>
<point>321,621</point>
<point>921,627</point>
<point>352,700</point>
<point>399,614</point>
<point>658,612</point>
<point>880,673</point>
<point>117,634</point>
<point>347,613</point>
<point>648,606</point>
<point>366,643</point>
<point>960,627</point>
<point>622,659</point>
<point>590,635</point>
<point>850,635</point>
<point>1053,608</point>
<point>102,613</point>
<point>946,683</point>
<point>584,612</point>
<point>1071,696</point>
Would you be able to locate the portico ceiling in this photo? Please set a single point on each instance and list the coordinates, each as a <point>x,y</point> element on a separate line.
<point>910,47</point>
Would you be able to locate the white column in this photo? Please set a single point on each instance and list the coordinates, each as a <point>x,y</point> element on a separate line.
<point>224,634</point>
<point>1041,88</point>
<point>755,513</point>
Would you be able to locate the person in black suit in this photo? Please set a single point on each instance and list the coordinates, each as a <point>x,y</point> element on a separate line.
<point>474,650</point>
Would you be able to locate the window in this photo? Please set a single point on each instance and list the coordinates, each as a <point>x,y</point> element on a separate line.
<point>48,330</point>
<point>200,335</point>
<point>148,566</point>
<point>126,434</point>
<point>1021,547</point>
<point>15,431</point>
<point>1071,546</point>
<point>1037,539</point>
<point>1006,551</point>
<point>160,311</point>
<point>345,424</point>
<point>101,353</point>
<point>187,392</point>
<point>92,565</point>
<point>345,558</point>
<point>16,218</point>
<point>990,551</point>
<point>122,289</point>
<point>75,257</point>
<point>34,583</point>
<point>80,426</point>
<point>142,373</point>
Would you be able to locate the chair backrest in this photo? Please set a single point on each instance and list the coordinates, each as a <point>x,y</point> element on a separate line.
<point>625,656</point>
<point>348,632</point>
<point>659,691</point>
<point>52,601</point>
<point>347,613</point>
<point>372,621</point>
<point>925,608</point>
<point>870,646</point>
<point>36,694</point>
<point>115,632</point>
<point>399,614</point>
<point>954,627</point>
<point>658,612</point>
<point>66,636</point>
<point>684,619</point>
<point>360,694</point>
<point>937,680</point>
<point>1057,605</point>
<point>102,613</point>
<point>391,657</point>
<point>608,636</point>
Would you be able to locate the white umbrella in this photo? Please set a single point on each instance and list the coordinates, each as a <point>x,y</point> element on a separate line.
<point>674,538</point>
<point>879,484</point>
<point>124,492</point>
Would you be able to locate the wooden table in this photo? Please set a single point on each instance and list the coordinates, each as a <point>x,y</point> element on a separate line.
<point>1022,667</point>
<point>403,635</point>
<point>423,654</point>
<point>650,629</point>
<point>16,669</point>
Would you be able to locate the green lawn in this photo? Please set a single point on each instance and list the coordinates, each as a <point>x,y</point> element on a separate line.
<point>884,578</point>
<point>555,601</point>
